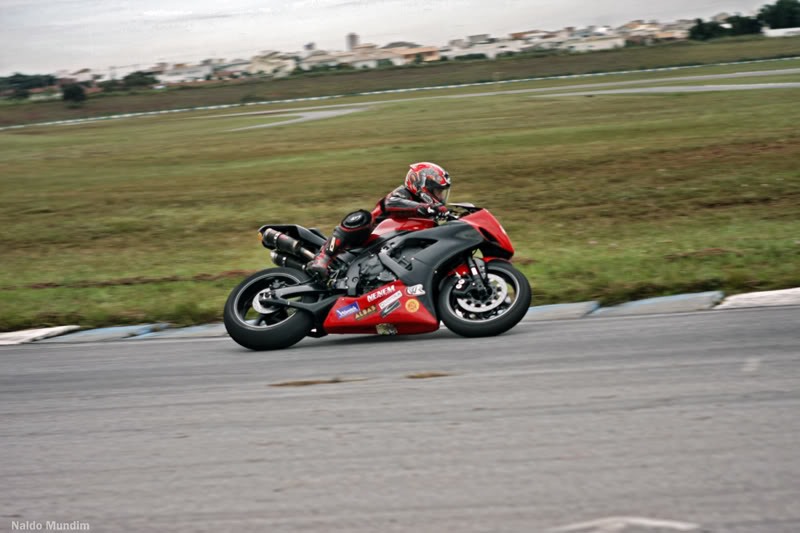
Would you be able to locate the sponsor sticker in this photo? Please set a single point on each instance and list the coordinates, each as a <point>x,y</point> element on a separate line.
<point>390,300</point>
<point>391,309</point>
<point>381,293</point>
<point>346,311</point>
<point>416,290</point>
<point>366,312</point>
<point>412,306</point>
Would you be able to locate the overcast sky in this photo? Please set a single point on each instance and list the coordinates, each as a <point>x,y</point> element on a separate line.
<point>41,36</point>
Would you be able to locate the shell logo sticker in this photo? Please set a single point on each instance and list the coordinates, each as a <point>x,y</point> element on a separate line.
<point>412,306</point>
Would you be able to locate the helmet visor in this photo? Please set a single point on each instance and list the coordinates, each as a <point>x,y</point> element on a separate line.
<point>441,195</point>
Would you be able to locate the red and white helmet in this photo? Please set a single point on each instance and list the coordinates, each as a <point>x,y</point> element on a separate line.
<point>429,182</point>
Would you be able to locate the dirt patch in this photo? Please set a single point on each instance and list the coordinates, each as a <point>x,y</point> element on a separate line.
<point>310,382</point>
<point>708,252</point>
<point>428,375</point>
<point>139,280</point>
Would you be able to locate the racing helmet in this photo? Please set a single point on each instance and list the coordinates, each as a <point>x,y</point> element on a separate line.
<point>429,182</point>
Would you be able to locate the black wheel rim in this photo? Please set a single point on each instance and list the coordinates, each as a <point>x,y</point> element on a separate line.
<point>249,315</point>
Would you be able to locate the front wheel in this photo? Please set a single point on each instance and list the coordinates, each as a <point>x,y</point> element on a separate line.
<point>491,314</point>
<point>261,327</point>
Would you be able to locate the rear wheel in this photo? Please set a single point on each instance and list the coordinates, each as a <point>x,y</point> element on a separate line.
<point>486,315</point>
<point>262,327</point>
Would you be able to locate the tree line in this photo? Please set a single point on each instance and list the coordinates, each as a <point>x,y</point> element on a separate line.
<point>781,14</point>
<point>21,85</point>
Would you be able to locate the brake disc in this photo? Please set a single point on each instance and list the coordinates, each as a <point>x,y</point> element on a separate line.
<point>499,294</point>
<point>261,308</point>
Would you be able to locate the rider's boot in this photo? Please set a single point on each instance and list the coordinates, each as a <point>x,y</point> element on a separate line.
<point>319,267</point>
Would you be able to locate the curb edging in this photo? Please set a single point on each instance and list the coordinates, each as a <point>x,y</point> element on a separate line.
<point>681,303</point>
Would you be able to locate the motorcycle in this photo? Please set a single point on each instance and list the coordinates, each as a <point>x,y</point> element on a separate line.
<point>410,275</point>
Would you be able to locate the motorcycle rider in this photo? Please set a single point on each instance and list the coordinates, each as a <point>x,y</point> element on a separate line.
<point>424,194</point>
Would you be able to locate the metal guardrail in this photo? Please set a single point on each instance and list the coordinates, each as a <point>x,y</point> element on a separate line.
<point>390,91</point>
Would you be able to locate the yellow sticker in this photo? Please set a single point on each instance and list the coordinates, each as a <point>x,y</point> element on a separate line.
<point>366,312</point>
<point>412,306</point>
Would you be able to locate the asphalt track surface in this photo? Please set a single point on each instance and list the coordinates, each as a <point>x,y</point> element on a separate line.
<point>686,417</point>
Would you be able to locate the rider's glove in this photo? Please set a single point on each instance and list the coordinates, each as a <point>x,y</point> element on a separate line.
<point>429,210</point>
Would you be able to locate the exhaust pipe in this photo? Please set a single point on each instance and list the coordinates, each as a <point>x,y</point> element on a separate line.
<point>283,260</point>
<point>275,240</point>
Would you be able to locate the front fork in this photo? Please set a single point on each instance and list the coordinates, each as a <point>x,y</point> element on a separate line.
<point>476,282</point>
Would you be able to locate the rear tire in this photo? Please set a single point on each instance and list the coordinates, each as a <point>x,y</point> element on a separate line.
<point>497,314</point>
<point>275,330</point>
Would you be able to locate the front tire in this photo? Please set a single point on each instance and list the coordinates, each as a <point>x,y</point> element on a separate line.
<point>273,328</point>
<point>490,316</point>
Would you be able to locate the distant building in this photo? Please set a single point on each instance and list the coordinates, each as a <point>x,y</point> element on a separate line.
<point>319,58</point>
<point>366,56</point>
<point>427,53</point>
<point>783,32</point>
<point>352,41</point>
<point>45,93</point>
<point>180,73</point>
<point>272,63</point>
<point>682,24</point>
<point>672,35</point>
<point>522,35</point>
<point>594,44</point>
<point>489,49</point>
<point>641,32</point>
<point>155,70</point>
<point>119,72</point>
<point>480,38</point>
<point>230,69</point>
<point>549,42</point>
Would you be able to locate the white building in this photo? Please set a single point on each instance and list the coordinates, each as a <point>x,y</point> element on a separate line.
<point>370,56</point>
<point>480,38</point>
<point>640,29</point>
<point>490,49</point>
<point>783,32</point>
<point>47,93</point>
<point>182,73</point>
<point>528,35</point>
<point>672,35</point>
<point>230,69</point>
<point>594,44</point>
<point>550,41</point>
<point>319,58</point>
<point>272,64</point>
<point>119,72</point>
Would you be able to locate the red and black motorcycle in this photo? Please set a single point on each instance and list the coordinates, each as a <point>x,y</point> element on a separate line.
<point>407,277</point>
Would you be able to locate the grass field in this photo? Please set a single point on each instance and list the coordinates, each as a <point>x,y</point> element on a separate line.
<point>453,72</point>
<point>609,198</point>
